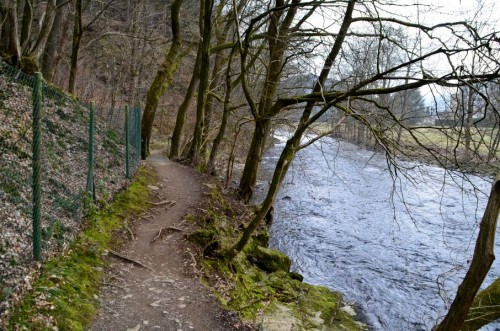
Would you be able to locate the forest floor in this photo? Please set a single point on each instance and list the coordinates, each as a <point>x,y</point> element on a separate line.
<point>154,284</point>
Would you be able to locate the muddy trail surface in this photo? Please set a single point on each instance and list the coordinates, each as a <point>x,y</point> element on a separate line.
<point>151,283</point>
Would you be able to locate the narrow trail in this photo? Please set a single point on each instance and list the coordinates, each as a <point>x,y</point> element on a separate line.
<point>165,293</point>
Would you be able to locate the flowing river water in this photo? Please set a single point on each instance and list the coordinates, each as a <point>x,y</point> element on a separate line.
<point>396,247</point>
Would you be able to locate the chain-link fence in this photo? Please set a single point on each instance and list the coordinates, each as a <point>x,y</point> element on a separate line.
<point>51,154</point>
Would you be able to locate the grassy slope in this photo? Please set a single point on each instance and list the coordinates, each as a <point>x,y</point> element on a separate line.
<point>65,294</point>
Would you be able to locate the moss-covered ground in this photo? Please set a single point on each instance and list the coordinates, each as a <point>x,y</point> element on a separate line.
<point>264,292</point>
<point>64,296</point>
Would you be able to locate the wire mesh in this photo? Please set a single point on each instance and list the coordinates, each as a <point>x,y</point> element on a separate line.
<point>64,168</point>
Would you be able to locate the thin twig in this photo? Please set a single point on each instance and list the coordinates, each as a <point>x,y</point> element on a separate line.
<point>127,259</point>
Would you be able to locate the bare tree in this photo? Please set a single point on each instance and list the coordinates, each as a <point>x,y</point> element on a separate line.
<point>163,78</point>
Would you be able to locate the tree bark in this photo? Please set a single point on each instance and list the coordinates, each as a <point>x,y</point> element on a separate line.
<point>278,43</point>
<point>137,9</point>
<point>162,80</point>
<point>48,20</point>
<point>75,45</point>
<point>293,144</point>
<point>480,265</point>
<point>225,116</point>
<point>53,41</point>
<point>183,108</point>
<point>468,122</point>
<point>9,44</point>
<point>249,175</point>
<point>26,23</point>
<point>206,32</point>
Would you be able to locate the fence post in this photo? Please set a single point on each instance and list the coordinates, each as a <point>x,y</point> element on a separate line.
<point>127,147</point>
<point>90,173</point>
<point>36,165</point>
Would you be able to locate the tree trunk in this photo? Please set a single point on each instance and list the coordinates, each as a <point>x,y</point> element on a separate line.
<point>26,24</point>
<point>60,48</point>
<point>53,41</point>
<point>10,40</point>
<point>162,80</point>
<point>293,144</point>
<point>183,108</point>
<point>480,265</point>
<point>48,20</point>
<point>210,102</point>
<point>134,61</point>
<point>206,31</point>
<point>278,43</point>
<point>225,116</point>
<point>75,46</point>
<point>249,175</point>
<point>468,123</point>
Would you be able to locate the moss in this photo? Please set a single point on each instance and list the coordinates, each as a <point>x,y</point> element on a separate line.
<point>270,260</point>
<point>67,288</point>
<point>259,285</point>
<point>201,237</point>
<point>296,276</point>
<point>262,238</point>
<point>484,309</point>
<point>28,65</point>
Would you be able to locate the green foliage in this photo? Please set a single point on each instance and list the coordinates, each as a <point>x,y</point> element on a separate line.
<point>66,290</point>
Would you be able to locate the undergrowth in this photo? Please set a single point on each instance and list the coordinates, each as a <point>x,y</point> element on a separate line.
<point>257,282</point>
<point>64,296</point>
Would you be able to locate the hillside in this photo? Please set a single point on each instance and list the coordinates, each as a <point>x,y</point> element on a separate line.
<point>64,172</point>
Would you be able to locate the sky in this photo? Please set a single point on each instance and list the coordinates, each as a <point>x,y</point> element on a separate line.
<point>427,12</point>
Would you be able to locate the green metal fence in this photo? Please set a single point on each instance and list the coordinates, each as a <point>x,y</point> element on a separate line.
<point>58,156</point>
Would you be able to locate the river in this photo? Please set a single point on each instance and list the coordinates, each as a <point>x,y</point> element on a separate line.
<point>396,246</point>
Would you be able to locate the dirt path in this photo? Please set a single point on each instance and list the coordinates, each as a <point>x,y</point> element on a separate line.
<point>168,296</point>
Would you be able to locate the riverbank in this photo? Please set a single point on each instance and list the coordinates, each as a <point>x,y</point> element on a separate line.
<point>258,283</point>
<point>396,246</point>
<point>428,147</point>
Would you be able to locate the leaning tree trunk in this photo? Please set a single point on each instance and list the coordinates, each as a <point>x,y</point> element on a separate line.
<point>278,42</point>
<point>481,262</point>
<point>293,144</point>
<point>162,80</point>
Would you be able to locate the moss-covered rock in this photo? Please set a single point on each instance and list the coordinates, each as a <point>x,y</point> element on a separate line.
<point>201,237</point>
<point>270,260</point>
<point>262,238</point>
<point>296,276</point>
